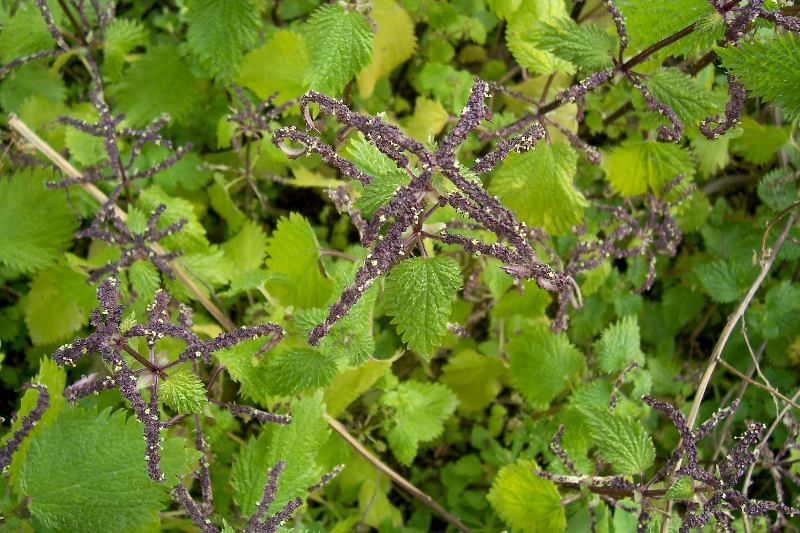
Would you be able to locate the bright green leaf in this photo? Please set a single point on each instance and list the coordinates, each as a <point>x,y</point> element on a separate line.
<point>622,442</point>
<point>58,289</point>
<point>770,68</point>
<point>297,443</point>
<point>619,346</point>
<point>586,46</point>
<point>418,297</point>
<point>474,377</point>
<point>36,224</point>
<point>538,186</point>
<point>183,391</point>
<point>339,45</point>
<point>418,414</point>
<point>279,66</point>
<point>298,369</point>
<point>394,43</point>
<point>87,471</point>
<point>543,364</point>
<point>294,253</point>
<point>219,31</point>
<point>526,502</point>
<point>160,82</point>
<point>635,168</point>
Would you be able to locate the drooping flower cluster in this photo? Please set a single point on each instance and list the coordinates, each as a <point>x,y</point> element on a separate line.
<point>110,341</point>
<point>725,496</point>
<point>108,127</point>
<point>656,233</point>
<point>133,246</point>
<point>721,495</point>
<point>27,424</point>
<point>113,133</point>
<point>397,226</point>
<point>251,123</point>
<point>260,521</point>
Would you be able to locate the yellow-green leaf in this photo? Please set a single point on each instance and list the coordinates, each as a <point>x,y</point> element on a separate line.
<point>393,44</point>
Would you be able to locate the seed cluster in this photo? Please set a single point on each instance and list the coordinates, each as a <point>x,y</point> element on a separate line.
<point>110,341</point>
<point>27,424</point>
<point>397,225</point>
<point>721,493</point>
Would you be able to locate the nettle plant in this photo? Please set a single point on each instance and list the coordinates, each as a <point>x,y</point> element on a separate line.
<point>263,263</point>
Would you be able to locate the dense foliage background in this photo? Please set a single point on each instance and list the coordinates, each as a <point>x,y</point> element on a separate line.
<point>479,374</point>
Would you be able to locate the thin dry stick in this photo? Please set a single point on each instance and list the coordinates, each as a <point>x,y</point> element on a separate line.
<point>716,354</point>
<point>771,390</point>
<point>394,476</point>
<point>28,134</point>
<point>20,127</point>
<point>734,319</point>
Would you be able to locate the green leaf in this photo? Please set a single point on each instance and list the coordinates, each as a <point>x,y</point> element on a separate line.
<point>183,391</point>
<point>526,502</point>
<point>635,168</point>
<point>777,189</point>
<point>690,100</point>
<point>418,296</point>
<point>712,155</point>
<point>779,313</point>
<point>418,414</point>
<point>246,369</point>
<point>504,8</point>
<point>248,248</point>
<point>36,224</point>
<point>219,31</point>
<point>681,489</point>
<point>59,304</point>
<point>650,22</point>
<point>538,186</point>
<point>387,177</point>
<point>294,253</point>
<point>543,364</point>
<point>280,65</point>
<point>352,383</point>
<point>86,149</point>
<point>587,46</point>
<point>208,270</point>
<point>223,204</point>
<point>122,36</point>
<point>351,340</point>
<point>30,79</point>
<point>87,471</point>
<point>619,346</point>
<point>299,369</point>
<point>770,68</point>
<point>428,120</point>
<point>525,47</point>
<point>395,42</point>
<point>24,33</point>
<point>759,143</point>
<point>446,84</point>
<point>725,281</point>
<point>339,44</point>
<point>144,279</point>
<point>475,378</point>
<point>184,176</point>
<point>297,443</point>
<point>160,82</point>
<point>622,442</point>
